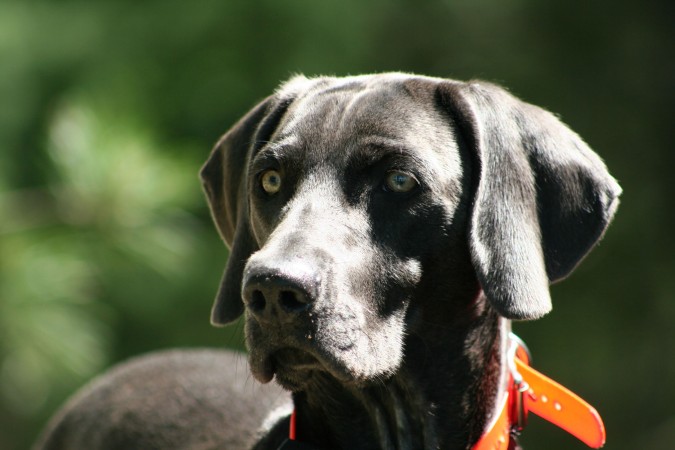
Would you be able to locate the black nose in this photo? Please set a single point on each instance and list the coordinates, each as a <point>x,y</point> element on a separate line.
<point>274,296</point>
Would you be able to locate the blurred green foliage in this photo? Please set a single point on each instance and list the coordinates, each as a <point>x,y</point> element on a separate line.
<point>108,108</point>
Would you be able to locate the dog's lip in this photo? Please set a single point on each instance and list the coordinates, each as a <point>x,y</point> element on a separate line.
<point>262,368</point>
<point>287,361</point>
<point>295,359</point>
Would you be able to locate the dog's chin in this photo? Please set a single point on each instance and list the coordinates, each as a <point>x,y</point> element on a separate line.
<point>297,369</point>
<point>292,368</point>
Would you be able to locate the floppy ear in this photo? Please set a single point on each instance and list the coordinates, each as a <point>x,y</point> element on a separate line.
<point>542,197</point>
<point>224,178</point>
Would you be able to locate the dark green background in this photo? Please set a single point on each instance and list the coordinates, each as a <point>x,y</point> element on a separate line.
<point>108,108</point>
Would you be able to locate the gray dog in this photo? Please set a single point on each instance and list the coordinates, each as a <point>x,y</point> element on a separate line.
<point>384,230</point>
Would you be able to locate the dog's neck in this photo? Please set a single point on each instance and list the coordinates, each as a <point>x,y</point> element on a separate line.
<point>430,403</point>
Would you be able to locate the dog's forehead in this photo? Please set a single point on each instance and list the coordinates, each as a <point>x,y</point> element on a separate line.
<point>334,114</point>
<point>351,107</point>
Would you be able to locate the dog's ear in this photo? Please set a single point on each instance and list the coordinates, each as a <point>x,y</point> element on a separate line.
<point>542,197</point>
<point>224,178</point>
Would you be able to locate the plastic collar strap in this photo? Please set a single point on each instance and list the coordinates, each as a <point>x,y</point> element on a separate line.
<point>529,391</point>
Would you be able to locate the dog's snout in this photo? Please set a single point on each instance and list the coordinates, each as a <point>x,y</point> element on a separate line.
<point>271,295</point>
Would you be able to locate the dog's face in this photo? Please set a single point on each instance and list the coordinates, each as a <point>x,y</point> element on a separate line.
<point>349,200</point>
<point>351,205</point>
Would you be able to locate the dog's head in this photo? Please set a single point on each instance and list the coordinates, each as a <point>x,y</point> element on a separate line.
<point>350,204</point>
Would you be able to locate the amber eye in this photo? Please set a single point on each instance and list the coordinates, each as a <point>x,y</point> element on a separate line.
<point>400,181</point>
<point>271,181</point>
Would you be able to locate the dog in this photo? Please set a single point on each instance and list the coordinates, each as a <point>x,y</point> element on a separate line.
<point>384,231</point>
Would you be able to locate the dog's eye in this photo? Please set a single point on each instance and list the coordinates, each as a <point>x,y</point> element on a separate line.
<point>400,181</point>
<point>271,181</point>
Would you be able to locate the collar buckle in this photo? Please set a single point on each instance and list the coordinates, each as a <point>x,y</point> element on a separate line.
<point>531,391</point>
<point>518,386</point>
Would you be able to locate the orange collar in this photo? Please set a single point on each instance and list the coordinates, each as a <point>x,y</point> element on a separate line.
<point>531,391</point>
<point>528,391</point>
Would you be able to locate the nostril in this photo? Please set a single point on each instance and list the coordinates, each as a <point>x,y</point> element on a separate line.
<point>292,301</point>
<point>258,302</point>
<point>272,295</point>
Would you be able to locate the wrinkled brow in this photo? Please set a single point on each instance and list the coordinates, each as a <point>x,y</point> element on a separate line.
<point>373,149</point>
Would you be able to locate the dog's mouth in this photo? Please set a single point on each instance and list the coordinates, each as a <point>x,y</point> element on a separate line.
<point>292,367</point>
